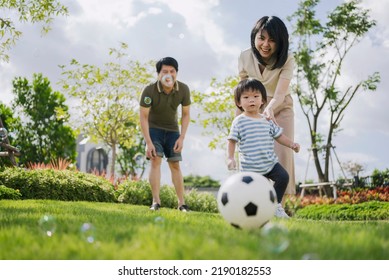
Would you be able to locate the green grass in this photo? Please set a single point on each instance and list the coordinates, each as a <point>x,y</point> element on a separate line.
<point>125,231</point>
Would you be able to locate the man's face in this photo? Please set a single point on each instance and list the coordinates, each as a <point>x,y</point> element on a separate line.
<point>167,75</point>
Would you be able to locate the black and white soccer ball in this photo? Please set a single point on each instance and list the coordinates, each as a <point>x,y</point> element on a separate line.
<point>247,200</point>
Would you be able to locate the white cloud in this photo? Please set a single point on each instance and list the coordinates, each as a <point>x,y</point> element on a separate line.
<point>206,38</point>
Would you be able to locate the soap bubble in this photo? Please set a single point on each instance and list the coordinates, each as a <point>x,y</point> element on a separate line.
<point>167,80</point>
<point>88,232</point>
<point>310,256</point>
<point>3,133</point>
<point>169,25</point>
<point>159,221</point>
<point>37,52</point>
<point>275,238</point>
<point>48,225</point>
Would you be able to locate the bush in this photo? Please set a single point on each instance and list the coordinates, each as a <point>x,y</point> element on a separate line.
<point>354,196</point>
<point>134,192</point>
<point>380,178</point>
<point>203,202</point>
<point>58,185</point>
<point>192,181</point>
<point>8,193</point>
<point>372,210</point>
<point>139,193</point>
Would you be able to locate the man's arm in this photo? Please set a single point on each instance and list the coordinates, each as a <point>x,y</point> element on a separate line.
<point>144,125</point>
<point>185,119</point>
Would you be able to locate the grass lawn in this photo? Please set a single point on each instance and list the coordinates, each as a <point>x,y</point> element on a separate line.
<point>122,231</point>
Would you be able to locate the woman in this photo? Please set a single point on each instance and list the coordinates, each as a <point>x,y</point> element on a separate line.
<point>269,61</point>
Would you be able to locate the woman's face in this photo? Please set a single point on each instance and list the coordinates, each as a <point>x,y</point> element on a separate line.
<point>265,45</point>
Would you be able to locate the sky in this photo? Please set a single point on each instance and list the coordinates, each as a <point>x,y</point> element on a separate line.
<point>206,37</point>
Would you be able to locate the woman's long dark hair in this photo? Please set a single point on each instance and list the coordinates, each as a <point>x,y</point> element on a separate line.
<point>277,30</point>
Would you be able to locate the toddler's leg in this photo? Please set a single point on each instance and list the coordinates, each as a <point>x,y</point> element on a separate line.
<point>281,178</point>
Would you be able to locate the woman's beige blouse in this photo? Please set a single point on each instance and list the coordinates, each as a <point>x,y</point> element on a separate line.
<point>248,68</point>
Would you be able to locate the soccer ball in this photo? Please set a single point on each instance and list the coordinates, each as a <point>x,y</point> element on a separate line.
<point>247,200</point>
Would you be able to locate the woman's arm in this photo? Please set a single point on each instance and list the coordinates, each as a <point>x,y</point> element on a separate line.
<point>278,98</point>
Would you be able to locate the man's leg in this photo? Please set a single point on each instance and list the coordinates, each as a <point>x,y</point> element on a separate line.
<point>178,181</point>
<point>155,178</point>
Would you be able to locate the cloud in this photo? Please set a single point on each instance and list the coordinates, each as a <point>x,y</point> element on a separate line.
<point>206,37</point>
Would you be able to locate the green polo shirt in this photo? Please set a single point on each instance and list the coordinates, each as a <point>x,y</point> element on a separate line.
<point>163,107</point>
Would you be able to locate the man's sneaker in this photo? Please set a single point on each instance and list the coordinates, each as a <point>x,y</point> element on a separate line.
<point>280,212</point>
<point>155,207</point>
<point>184,208</point>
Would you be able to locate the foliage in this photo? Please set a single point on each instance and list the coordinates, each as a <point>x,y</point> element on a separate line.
<point>32,11</point>
<point>132,159</point>
<point>363,195</point>
<point>139,193</point>
<point>10,123</point>
<point>8,193</point>
<point>131,232</point>
<point>107,99</point>
<point>196,181</point>
<point>58,164</point>
<point>380,178</point>
<point>201,201</point>
<point>353,168</point>
<point>372,210</point>
<point>134,192</point>
<point>44,134</point>
<point>217,110</point>
<point>353,196</point>
<point>320,51</point>
<point>57,184</point>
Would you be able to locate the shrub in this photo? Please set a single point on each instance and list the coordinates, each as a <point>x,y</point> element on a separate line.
<point>139,192</point>
<point>354,196</point>
<point>203,202</point>
<point>192,181</point>
<point>57,185</point>
<point>8,193</point>
<point>363,195</point>
<point>372,210</point>
<point>380,178</point>
<point>134,192</point>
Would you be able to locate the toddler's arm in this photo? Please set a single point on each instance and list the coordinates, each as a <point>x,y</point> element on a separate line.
<point>284,140</point>
<point>231,163</point>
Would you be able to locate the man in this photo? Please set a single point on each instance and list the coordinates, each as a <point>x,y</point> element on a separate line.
<point>159,123</point>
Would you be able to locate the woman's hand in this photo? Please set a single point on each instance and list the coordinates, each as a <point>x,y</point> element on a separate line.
<point>269,114</point>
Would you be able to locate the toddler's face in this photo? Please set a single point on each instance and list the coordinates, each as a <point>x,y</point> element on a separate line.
<point>251,101</point>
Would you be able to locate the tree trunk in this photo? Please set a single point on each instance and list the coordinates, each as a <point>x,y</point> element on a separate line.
<point>113,160</point>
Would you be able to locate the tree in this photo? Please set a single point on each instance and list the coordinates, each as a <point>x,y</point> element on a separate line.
<point>44,134</point>
<point>217,110</point>
<point>32,11</point>
<point>353,168</point>
<point>320,51</point>
<point>9,122</point>
<point>132,159</point>
<point>108,99</point>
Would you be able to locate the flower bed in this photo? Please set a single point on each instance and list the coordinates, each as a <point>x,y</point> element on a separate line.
<point>354,196</point>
